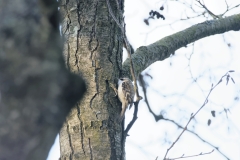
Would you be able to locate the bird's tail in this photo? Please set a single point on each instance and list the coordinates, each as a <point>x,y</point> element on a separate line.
<point>122,114</point>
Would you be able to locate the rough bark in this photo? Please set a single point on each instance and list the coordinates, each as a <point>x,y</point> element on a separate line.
<point>93,49</point>
<point>36,91</point>
<point>162,49</point>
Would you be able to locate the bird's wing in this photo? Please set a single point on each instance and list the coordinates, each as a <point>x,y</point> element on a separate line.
<point>127,88</point>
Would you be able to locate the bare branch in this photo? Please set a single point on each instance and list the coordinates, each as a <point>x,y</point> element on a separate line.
<point>133,120</point>
<point>142,83</point>
<point>196,155</point>
<point>210,13</point>
<point>161,117</point>
<point>193,115</point>
<point>195,134</point>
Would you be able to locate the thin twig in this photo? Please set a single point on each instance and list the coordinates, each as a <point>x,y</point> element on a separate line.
<point>210,13</point>
<point>195,134</point>
<point>128,50</point>
<point>228,8</point>
<point>196,155</point>
<point>129,126</point>
<point>114,18</point>
<point>193,115</point>
<point>142,83</point>
<point>220,15</point>
<point>161,117</point>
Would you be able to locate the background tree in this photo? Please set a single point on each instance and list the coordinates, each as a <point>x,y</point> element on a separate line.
<point>36,90</point>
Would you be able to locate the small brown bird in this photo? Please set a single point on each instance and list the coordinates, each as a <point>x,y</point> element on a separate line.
<point>125,94</point>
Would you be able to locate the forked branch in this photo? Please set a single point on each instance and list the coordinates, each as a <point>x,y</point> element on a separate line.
<point>227,75</point>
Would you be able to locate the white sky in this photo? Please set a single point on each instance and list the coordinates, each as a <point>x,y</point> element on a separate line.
<point>173,92</point>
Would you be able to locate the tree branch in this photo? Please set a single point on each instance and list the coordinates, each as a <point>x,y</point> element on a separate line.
<point>196,155</point>
<point>143,84</point>
<point>129,126</point>
<point>162,49</point>
<point>161,117</point>
<point>227,75</point>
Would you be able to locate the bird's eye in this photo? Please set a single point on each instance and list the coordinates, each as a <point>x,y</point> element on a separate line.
<point>121,79</point>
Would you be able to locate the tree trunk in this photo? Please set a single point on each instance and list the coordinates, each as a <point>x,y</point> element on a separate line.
<point>93,49</point>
